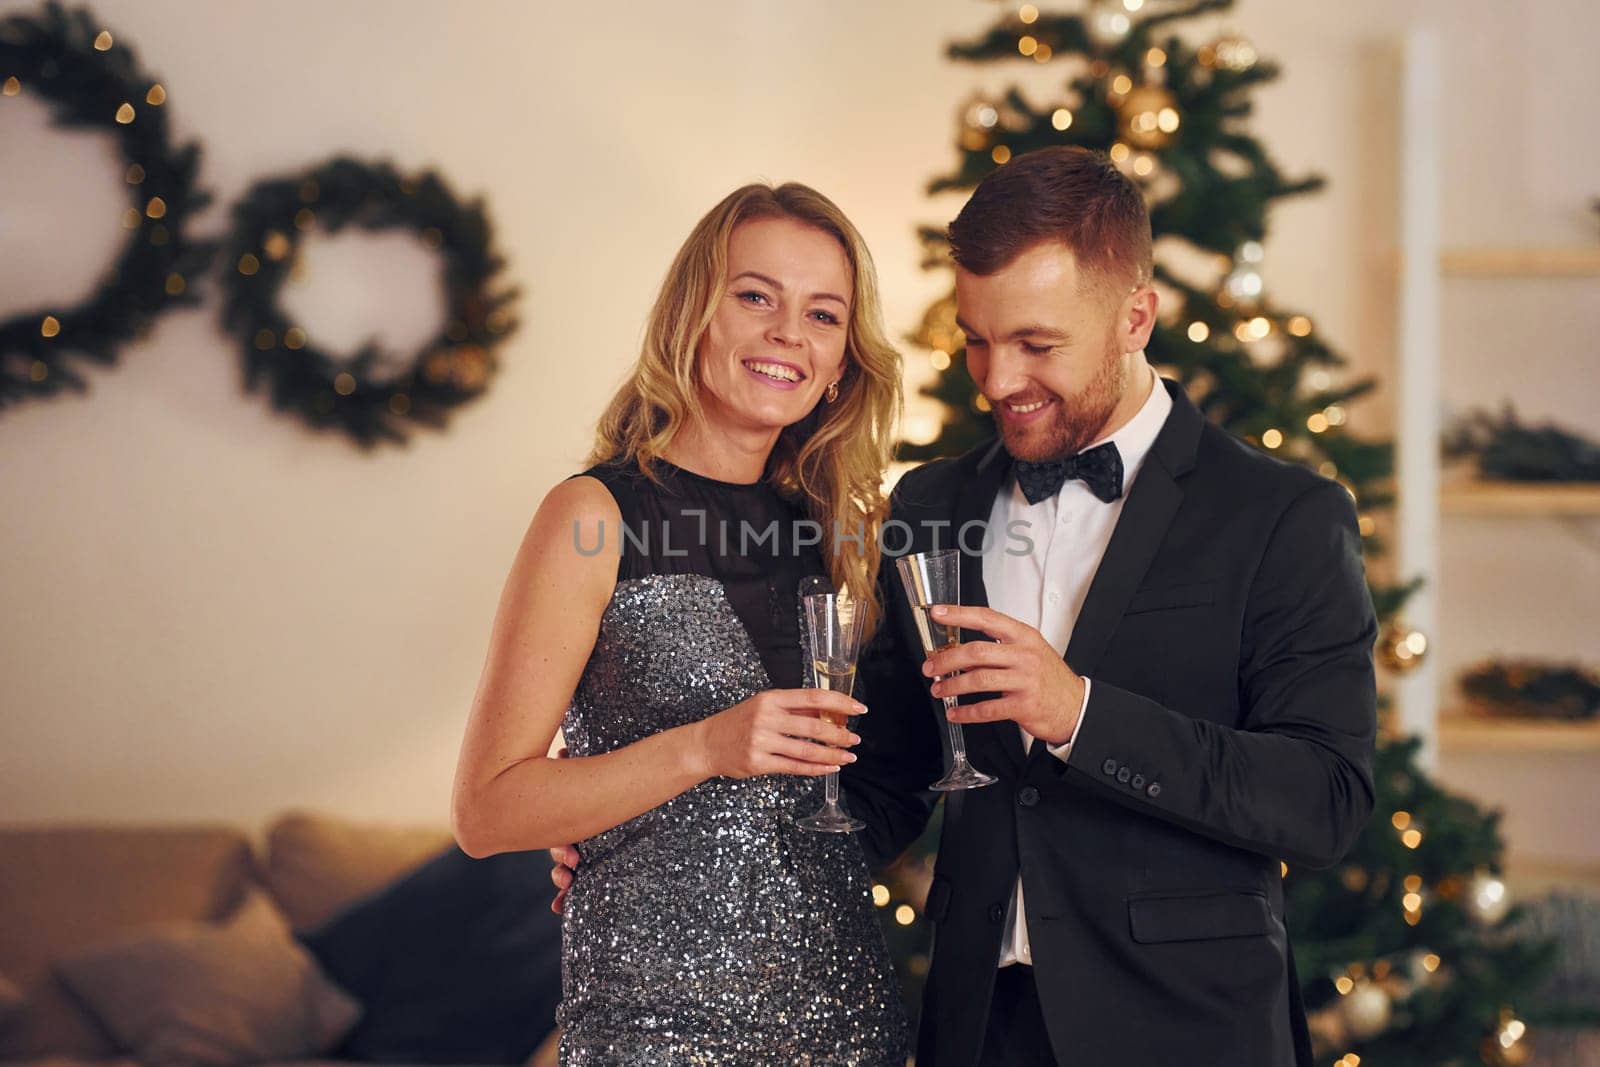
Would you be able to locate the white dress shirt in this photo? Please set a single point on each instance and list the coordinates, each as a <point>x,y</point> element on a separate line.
<point>1045,587</point>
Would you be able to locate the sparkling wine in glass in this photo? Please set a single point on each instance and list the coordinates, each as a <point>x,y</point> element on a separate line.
<point>931,578</point>
<point>833,640</point>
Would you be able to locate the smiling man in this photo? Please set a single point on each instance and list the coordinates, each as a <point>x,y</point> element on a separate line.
<point>1174,684</point>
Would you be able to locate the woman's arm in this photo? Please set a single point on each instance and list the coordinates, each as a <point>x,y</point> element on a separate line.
<point>509,795</point>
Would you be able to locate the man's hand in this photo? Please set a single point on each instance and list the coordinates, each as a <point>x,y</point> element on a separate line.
<point>566,862</point>
<point>1038,691</point>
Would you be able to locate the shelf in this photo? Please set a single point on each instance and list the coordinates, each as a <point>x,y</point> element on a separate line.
<point>1574,261</point>
<point>1464,732</point>
<point>1533,875</point>
<point>1470,497</point>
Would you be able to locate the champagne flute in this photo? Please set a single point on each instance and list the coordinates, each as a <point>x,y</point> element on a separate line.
<point>930,578</point>
<point>833,640</point>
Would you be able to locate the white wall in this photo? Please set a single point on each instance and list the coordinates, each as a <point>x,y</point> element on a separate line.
<point>209,611</point>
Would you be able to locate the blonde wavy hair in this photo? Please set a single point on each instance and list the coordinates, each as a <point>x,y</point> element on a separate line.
<point>832,460</point>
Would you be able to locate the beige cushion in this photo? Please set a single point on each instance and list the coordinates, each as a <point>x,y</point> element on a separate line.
<point>240,991</point>
<point>316,865</point>
<point>62,888</point>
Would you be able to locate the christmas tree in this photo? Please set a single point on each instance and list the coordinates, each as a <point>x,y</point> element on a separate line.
<point>1406,950</point>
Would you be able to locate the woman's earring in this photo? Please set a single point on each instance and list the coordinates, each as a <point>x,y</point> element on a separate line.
<point>831,393</point>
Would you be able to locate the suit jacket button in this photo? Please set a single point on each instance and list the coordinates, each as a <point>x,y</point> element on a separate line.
<point>997,912</point>
<point>1028,796</point>
<point>1123,775</point>
<point>1109,766</point>
<point>1153,790</point>
<point>1138,781</point>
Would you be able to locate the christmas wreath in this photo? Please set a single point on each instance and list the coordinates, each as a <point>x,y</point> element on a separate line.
<point>361,392</point>
<point>91,81</point>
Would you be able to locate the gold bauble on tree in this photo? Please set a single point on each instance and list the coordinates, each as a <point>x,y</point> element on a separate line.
<point>1106,23</point>
<point>1149,116</point>
<point>1400,648</point>
<point>1228,52</point>
<point>1366,1009</point>
<point>939,330</point>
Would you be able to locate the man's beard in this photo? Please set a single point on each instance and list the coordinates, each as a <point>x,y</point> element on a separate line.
<point>1078,420</point>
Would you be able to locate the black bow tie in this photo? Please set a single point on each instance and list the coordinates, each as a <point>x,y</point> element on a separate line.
<point>1100,469</point>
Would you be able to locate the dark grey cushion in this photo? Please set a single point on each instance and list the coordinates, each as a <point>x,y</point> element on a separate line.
<point>458,962</point>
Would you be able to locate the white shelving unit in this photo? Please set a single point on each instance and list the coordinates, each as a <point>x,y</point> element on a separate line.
<point>1545,776</point>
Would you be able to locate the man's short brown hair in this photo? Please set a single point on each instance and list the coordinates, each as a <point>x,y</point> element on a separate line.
<point>1067,194</point>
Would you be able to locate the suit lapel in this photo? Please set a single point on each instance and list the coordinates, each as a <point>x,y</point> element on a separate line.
<point>1152,502</point>
<point>973,504</point>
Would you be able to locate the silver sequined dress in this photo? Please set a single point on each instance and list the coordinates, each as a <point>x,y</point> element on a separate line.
<point>712,930</point>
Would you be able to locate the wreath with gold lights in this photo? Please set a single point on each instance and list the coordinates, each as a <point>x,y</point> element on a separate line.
<point>359,393</point>
<point>90,81</point>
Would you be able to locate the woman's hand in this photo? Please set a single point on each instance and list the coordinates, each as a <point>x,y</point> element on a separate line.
<point>777,731</point>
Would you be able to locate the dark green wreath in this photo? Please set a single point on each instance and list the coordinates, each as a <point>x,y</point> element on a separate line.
<point>90,80</point>
<point>351,391</point>
<point>1533,689</point>
<point>1510,450</point>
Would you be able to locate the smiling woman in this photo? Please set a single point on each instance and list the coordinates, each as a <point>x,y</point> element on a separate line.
<point>703,922</point>
<point>773,286</point>
<point>771,344</point>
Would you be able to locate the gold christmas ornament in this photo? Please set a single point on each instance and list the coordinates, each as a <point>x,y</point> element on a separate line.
<point>1366,1010</point>
<point>938,330</point>
<point>1400,648</point>
<point>1107,24</point>
<point>1149,116</point>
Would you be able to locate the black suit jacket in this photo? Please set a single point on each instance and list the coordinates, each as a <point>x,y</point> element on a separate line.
<point>1228,633</point>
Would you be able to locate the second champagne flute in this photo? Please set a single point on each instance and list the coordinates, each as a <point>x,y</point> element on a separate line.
<point>930,578</point>
<point>833,639</point>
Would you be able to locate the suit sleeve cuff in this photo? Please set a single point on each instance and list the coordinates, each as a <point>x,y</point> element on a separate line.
<point>1064,749</point>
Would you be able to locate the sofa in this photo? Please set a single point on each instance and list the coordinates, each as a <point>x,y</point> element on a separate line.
<point>210,944</point>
